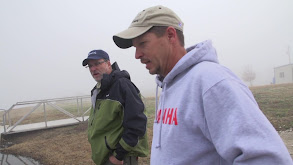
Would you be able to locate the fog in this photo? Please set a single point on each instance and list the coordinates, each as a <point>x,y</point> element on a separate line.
<point>43,43</point>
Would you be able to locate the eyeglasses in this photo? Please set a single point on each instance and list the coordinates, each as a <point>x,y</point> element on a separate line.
<point>96,64</point>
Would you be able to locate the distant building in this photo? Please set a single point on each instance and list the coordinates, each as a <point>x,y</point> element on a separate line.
<point>284,74</point>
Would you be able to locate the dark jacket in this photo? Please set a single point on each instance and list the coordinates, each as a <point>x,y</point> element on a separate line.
<point>117,124</point>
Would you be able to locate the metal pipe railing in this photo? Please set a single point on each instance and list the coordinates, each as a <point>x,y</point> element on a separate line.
<point>6,116</point>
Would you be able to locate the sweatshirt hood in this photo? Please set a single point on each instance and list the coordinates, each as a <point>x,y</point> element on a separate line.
<point>200,52</point>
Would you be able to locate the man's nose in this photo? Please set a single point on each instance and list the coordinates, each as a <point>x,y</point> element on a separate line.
<point>138,54</point>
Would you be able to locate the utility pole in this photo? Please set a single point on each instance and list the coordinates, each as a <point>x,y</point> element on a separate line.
<point>289,54</point>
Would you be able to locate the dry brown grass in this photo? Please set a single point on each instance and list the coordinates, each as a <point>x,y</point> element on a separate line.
<point>67,145</point>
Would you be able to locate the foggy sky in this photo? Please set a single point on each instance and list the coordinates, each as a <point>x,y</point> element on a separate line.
<point>42,43</point>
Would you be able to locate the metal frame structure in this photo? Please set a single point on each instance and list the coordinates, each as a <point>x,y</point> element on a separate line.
<point>12,159</point>
<point>7,124</point>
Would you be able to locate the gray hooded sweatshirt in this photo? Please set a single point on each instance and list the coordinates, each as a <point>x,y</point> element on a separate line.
<point>208,116</point>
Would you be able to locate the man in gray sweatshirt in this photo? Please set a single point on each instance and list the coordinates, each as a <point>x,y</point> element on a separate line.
<point>206,114</point>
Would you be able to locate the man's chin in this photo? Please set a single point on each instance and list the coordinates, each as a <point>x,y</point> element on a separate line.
<point>152,72</point>
<point>97,79</point>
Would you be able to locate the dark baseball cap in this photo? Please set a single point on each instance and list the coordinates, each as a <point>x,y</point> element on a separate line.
<point>95,55</point>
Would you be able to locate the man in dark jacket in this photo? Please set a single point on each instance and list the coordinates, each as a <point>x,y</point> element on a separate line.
<point>117,123</point>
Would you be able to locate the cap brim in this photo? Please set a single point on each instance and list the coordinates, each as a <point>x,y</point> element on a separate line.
<point>85,61</point>
<point>124,39</point>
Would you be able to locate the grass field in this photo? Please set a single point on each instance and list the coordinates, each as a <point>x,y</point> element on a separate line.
<point>69,145</point>
<point>276,102</point>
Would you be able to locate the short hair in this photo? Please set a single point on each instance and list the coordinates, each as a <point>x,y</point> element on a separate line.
<point>159,31</point>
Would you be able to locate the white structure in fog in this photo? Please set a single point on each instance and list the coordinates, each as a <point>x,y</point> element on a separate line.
<point>284,74</point>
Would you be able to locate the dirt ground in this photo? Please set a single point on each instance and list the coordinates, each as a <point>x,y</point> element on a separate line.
<point>287,137</point>
<point>69,145</point>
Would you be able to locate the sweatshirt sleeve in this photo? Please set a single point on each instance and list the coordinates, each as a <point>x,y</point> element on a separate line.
<point>239,130</point>
<point>134,121</point>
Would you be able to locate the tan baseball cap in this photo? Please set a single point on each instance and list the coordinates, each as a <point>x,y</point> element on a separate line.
<point>146,19</point>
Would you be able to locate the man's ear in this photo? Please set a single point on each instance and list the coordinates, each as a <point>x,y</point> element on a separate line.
<point>171,33</point>
<point>109,63</point>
